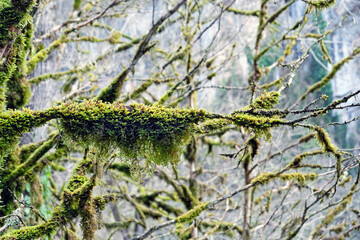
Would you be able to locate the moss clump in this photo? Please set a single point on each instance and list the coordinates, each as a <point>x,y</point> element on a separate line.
<point>114,37</point>
<point>156,134</point>
<point>192,214</point>
<point>267,100</point>
<point>76,182</point>
<point>212,125</point>
<point>13,85</point>
<point>264,178</point>
<point>259,124</point>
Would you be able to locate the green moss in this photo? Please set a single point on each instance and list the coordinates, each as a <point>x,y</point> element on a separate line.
<point>276,82</point>
<point>223,226</point>
<point>325,142</point>
<point>259,125</point>
<point>289,47</point>
<point>298,159</point>
<point>43,53</point>
<point>136,93</point>
<point>18,89</point>
<point>211,75</point>
<point>77,4</point>
<point>59,75</point>
<point>101,201</point>
<point>319,85</point>
<point>112,92</point>
<point>12,83</point>
<point>39,56</point>
<point>212,125</point>
<point>154,133</point>
<point>320,4</point>
<point>267,100</point>
<point>332,213</point>
<point>255,13</point>
<point>192,214</point>
<point>264,178</point>
<point>339,228</point>
<point>76,182</point>
<point>12,17</point>
<point>33,232</point>
<point>30,162</point>
<point>325,51</point>
<point>36,192</point>
<point>114,37</point>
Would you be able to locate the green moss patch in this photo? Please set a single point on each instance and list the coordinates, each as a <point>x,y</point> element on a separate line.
<point>156,134</point>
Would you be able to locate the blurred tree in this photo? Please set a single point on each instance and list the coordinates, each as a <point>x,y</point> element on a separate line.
<point>118,154</point>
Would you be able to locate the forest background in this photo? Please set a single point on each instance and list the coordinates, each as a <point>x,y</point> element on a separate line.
<point>179,119</point>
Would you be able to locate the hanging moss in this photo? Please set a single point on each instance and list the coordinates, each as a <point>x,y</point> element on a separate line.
<point>36,192</point>
<point>325,142</point>
<point>7,69</point>
<point>13,17</point>
<point>18,89</point>
<point>154,133</point>
<point>254,143</point>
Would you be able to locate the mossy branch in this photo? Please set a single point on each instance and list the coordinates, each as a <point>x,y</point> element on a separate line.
<point>336,67</point>
<point>320,4</point>
<point>254,13</point>
<point>31,161</point>
<point>58,75</point>
<point>43,53</point>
